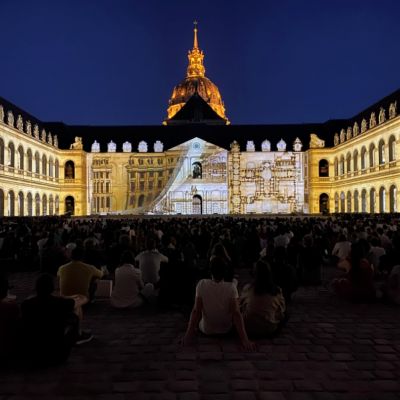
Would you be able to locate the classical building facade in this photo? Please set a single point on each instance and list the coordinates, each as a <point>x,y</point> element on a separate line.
<point>197,163</point>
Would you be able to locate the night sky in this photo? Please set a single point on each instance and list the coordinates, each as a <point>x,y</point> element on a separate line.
<point>115,62</point>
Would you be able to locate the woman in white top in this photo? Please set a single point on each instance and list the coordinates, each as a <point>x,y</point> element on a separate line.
<point>128,284</point>
<point>216,307</point>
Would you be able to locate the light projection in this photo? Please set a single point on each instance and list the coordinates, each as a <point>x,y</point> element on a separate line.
<point>198,184</point>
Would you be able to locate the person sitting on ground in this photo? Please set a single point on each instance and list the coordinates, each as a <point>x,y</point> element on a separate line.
<point>149,262</point>
<point>128,288</point>
<point>75,280</point>
<point>262,303</point>
<point>341,251</point>
<point>216,308</point>
<point>9,317</point>
<point>50,326</point>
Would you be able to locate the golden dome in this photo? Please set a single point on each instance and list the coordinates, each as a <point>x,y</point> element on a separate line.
<point>196,81</point>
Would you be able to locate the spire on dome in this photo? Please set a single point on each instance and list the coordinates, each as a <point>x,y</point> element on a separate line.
<point>195,56</point>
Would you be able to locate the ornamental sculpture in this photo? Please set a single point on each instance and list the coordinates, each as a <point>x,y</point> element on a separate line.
<point>349,133</point>
<point>10,119</point>
<point>55,141</point>
<point>281,146</point>
<point>28,128</point>
<point>36,131</point>
<point>297,145</point>
<point>111,147</point>
<point>235,147</point>
<point>142,148</point>
<point>1,113</point>
<point>356,129</point>
<point>372,120</point>
<point>342,136</point>
<point>49,139</point>
<point>317,143</point>
<point>392,110</point>
<point>363,125</point>
<point>250,146</point>
<point>20,123</point>
<point>95,147</point>
<point>77,145</point>
<point>43,136</point>
<point>382,116</point>
<point>266,145</point>
<point>336,139</point>
<point>158,147</point>
<point>127,147</point>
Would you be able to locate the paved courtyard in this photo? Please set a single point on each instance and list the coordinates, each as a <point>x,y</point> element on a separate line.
<point>330,349</point>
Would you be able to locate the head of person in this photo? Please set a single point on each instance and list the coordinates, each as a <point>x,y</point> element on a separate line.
<point>3,287</point>
<point>263,280</point>
<point>127,257</point>
<point>150,244</point>
<point>218,268</point>
<point>219,250</point>
<point>44,285</point>
<point>77,253</point>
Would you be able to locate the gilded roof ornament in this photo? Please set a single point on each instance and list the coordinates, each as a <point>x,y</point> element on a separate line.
<point>195,57</point>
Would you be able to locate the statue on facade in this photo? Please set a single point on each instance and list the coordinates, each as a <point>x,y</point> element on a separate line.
<point>142,148</point>
<point>111,147</point>
<point>10,119</point>
<point>335,139</point>
<point>95,147</point>
<point>349,133</point>
<point>266,145</point>
<point>281,146</point>
<point>36,131</point>
<point>356,129</point>
<point>20,123</point>
<point>382,116</point>
<point>342,135</point>
<point>28,127</point>
<point>50,139</point>
<point>372,120</point>
<point>364,125</point>
<point>250,146</point>
<point>392,110</point>
<point>235,147</point>
<point>158,147</point>
<point>77,145</point>
<point>316,142</point>
<point>127,147</point>
<point>297,144</point>
<point>55,141</point>
<point>43,136</point>
<point>1,113</point>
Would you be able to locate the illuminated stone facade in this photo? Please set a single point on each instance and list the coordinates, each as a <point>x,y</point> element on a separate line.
<point>198,163</point>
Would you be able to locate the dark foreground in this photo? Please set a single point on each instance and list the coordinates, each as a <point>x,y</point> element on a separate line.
<point>330,349</point>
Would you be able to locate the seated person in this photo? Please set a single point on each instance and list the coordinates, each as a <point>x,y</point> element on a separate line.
<point>262,303</point>
<point>216,307</point>
<point>129,284</point>
<point>9,317</point>
<point>50,326</point>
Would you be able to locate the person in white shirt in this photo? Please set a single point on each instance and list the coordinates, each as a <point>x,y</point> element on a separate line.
<point>216,308</point>
<point>128,284</point>
<point>342,248</point>
<point>149,263</point>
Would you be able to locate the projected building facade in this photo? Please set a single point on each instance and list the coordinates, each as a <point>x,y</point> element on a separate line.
<point>196,162</point>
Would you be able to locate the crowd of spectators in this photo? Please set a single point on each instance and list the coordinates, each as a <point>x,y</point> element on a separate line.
<point>191,263</point>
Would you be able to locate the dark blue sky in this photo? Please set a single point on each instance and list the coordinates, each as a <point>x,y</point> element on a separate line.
<point>117,61</point>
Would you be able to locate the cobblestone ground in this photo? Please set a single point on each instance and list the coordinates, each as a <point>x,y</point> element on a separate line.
<point>329,349</point>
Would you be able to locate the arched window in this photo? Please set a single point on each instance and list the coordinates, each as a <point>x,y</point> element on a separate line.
<point>21,204</point>
<point>324,203</point>
<point>371,155</point>
<point>341,165</point>
<point>372,195</point>
<point>30,160</point>
<point>356,206</point>
<point>393,199</point>
<point>381,151</point>
<point>11,203</point>
<point>51,205</point>
<point>342,202</point>
<point>323,168</point>
<point>141,200</point>
<point>37,163</point>
<point>348,201</point>
<point>348,162</point>
<point>44,165</point>
<point>392,148</point>
<point>363,158</point>
<point>57,205</point>
<point>69,170</point>
<point>197,204</point>
<point>69,205</point>
<point>56,169</point>
<point>44,204</point>
<point>37,204</point>
<point>382,200</point>
<point>1,203</point>
<point>197,170</point>
<point>21,156</point>
<point>364,200</point>
<point>29,204</point>
<point>336,167</point>
<point>11,155</point>
<point>336,203</point>
<point>355,160</point>
<point>51,167</point>
<point>2,155</point>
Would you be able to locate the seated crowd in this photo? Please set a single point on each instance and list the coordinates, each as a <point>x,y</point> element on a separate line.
<point>186,262</point>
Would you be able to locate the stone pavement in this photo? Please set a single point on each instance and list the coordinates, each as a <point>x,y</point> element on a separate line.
<point>329,349</point>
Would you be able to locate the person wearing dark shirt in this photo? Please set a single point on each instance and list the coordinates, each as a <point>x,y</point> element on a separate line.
<point>50,325</point>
